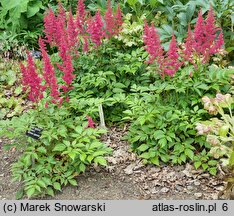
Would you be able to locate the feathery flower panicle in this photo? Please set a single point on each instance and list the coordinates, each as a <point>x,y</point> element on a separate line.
<point>188,51</point>
<point>50,26</point>
<point>203,42</point>
<point>219,42</point>
<point>171,62</point>
<point>72,32</point>
<point>67,69</point>
<point>118,20</point>
<point>152,43</point>
<point>86,44</point>
<point>210,29</point>
<point>199,35</point>
<point>31,80</point>
<point>80,16</point>
<point>62,14</point>
<point>95,29</point>
<point>49,72</point>
<point>110,21</point>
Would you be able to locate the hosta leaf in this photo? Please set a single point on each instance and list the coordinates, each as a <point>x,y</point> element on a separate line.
<point>33,8</point>
<point>90,158</point>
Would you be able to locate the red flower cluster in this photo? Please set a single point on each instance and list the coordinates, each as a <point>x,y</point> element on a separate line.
<point>168,63</point>
<point>49,73</point>
<point>113,21</point>
<point>201,43</point>
<point>67,33</point>
<point>172,63</point>
<point>60,29</point>
<point>153,44</point>
<point>31,80</point>
<point>203,40</point>
<point>80,16</point>
<point>90,122</point>
<point>95,29</point>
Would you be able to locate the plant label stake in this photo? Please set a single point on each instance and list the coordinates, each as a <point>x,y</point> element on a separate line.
<point>34,133</point>
<point>102,119</point>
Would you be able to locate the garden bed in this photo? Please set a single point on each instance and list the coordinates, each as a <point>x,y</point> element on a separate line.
<point>125,177</point>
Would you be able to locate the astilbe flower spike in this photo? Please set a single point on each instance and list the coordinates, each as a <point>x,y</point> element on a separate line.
<point>188,51</point>
<point>210,29</point>
<point>152,44</point>
<point>72,33</point>
<point>50,26</point>
<point>118,20</point>
<point>62,14</point>
<point>199,37</point>
<point>219,42</point>
<point>171,62</point>
<point>49,73</point>
<point>31,80</point>
<point>80,16</point>
<point>110,21</point>
<point>95,29</point>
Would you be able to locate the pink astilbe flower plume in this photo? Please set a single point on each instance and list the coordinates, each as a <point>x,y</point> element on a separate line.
<point>62,14</point>
<point>152,44</point>
<point>204,41</point>
<point>50,24</point>
<point>172,63</point>
<point>72,33</point>
<point>199,30</point>
<point>31,80</point>
<point>95,29</point>
<point>210,28</point>
<point>80,16</point>
<point>110,21</point>
<point>219,42</point>
<point>118,20</point>
<point>188,51</point>
<point>49,72</point>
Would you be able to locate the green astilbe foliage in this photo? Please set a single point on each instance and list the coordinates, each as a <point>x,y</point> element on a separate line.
<point>165,113</point>
<point>66,147</point>
<point>107,74</point>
